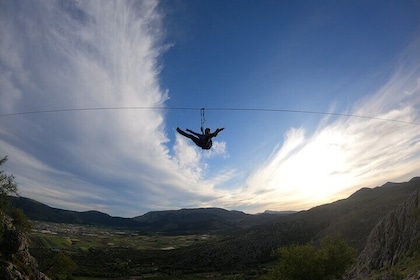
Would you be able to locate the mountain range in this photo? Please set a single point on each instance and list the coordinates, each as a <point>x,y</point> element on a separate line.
<point>197,220</point>
<point>353,217</point>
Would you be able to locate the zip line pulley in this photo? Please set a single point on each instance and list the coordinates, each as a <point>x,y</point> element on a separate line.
<point>203,119</point>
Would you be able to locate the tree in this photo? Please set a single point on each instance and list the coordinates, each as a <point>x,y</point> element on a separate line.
<point>60,265</point>
<point>20,221</point>
<point>328,260</point>
<point>7,187</point>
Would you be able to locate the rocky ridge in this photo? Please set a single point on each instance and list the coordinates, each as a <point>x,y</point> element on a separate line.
<point>394,240</point>
<point>16,263</point>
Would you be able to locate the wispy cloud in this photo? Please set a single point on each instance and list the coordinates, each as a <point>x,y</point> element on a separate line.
<point>344,154</point>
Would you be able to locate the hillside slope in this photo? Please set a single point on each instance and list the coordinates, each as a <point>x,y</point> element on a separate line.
<point>394,241</point>
<point>355,217</point>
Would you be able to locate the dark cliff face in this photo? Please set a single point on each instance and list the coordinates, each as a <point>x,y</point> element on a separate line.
<point>395,238</point>
<point>16,263</point>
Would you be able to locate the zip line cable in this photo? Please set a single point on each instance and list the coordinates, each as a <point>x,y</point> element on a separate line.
<point>202,111</point>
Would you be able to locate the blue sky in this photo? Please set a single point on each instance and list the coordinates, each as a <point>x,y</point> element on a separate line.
<point>342,57</point>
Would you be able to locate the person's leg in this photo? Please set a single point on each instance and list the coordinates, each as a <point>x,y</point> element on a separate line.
<point>192,137</point>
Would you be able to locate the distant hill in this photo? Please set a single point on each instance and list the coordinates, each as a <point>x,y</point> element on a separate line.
<point>37,211</point>
<point>279,212</point>
<point>191,220</point>
<point>171,221</point>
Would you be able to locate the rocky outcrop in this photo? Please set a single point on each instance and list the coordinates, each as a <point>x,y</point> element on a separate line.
<point>16,263</point>
<point>395,238</point>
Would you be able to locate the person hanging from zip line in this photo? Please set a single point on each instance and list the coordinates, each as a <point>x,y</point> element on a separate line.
<point>202,140</point>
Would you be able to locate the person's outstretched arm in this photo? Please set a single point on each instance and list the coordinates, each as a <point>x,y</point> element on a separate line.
<point>214,134</point>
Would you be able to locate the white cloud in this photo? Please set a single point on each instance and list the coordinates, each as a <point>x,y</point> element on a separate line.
<point>188,159</point>
<point>218,149</point>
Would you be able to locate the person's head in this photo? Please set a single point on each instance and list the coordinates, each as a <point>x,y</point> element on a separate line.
<point>207,131</point>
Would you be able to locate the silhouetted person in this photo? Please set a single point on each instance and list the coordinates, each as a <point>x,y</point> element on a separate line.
<point>202,140</point>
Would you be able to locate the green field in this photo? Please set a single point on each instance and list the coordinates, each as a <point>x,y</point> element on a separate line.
<point>72,237</point>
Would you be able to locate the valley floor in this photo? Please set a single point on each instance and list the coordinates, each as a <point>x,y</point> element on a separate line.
<point>104,253</point>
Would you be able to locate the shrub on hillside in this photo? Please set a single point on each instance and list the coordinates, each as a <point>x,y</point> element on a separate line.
<point>327,260</point>
<point>7,187</point>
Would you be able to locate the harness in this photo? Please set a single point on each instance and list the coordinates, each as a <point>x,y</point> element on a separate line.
<point>207,145</point>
